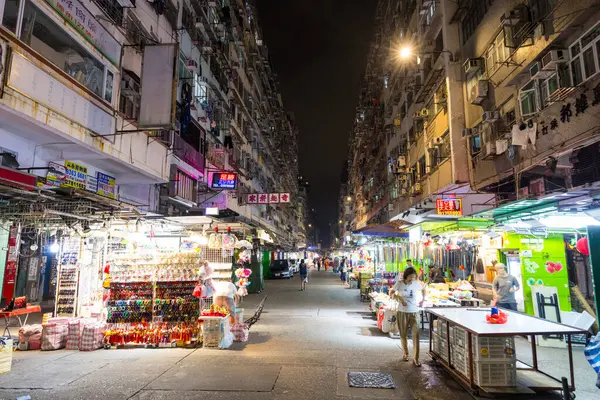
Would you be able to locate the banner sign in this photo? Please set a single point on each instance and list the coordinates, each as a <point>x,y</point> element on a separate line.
<point>76,176</point>
<point>85,23</point>
<point>106,185</point>
<point>452,207</point>
<point>267,198</point>
<point>56,175</point>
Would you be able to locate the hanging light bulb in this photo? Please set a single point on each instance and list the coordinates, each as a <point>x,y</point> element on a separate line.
<point>54,247</point>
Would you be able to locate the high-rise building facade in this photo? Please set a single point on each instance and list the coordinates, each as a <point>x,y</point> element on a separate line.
<point>157,101</point>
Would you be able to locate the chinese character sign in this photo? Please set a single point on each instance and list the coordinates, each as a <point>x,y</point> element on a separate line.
<point>268,198</point>
<point>263,198</point>
<point>224,180</point>
<point>284,198</point>
<point>106,185</point>
<point>252,199</point>
<point>76,175</point>
<point>451,207</point>
<point>274,198</point>
<point>57,175</point>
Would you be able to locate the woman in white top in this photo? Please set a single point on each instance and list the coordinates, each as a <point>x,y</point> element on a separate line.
<point>410,293</point>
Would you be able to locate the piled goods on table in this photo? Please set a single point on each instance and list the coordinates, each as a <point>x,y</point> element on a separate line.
<point>162,335</point>
<point>494,358</point>
<point>30,337</point>
<point>215,311</point>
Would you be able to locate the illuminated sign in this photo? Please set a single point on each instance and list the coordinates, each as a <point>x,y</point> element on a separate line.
<point>451,207</point>
<point>211,211</point>
<point>76,176</point>
<point>224,180</point>
<point>268,198</point>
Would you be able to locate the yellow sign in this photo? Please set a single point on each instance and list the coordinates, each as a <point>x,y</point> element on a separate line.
<point>76,175</point>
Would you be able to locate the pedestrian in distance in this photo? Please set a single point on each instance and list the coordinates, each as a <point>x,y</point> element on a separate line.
<point>303,275</point>
<point>504,288</point>
<point>410,294</point>
<point>343,269</point>
<point>318,264</point>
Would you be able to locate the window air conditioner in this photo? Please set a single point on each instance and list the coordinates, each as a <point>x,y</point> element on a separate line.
<point>129,87</point>
<point>490,116</point>
<point>552,58</point>
<point>466,132</point>
<point>479,92</point>
<point>537,72</point>
<point>472,66</point>
<point>423,113</point>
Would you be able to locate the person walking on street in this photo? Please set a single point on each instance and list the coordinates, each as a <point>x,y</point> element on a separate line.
<point>326,263</point>
<point>303,275</point>
<point>343,269</point>
<point>318,263</point>
<point>411,294</point>
<point>504,288</point>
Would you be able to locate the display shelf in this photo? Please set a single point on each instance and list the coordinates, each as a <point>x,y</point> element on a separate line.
<point>67,291</point>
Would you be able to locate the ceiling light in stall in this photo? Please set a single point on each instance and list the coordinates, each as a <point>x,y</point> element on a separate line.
<point>579,221</point>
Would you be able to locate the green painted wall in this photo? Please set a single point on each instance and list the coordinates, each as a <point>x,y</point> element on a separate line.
<point>537,269</point>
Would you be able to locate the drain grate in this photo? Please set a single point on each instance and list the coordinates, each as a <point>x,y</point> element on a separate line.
<point>371,380</point>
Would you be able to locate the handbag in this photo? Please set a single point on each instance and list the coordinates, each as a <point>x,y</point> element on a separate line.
<point>592,353</point>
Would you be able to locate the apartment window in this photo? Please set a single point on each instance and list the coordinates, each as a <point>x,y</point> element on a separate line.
<point>11,15</point>
<point>129,97</point>
<point>112,9</point>
<point>528,99</point>
<point>475,144</point>
<point>585,56</point>
<point>440,151</point>
<point>422,167</point>
<point>496,54</point>
<point>201,90</point>
<point>51,41</point>
<point>473,18</point>
<point>185,186</point>
<point>413,174</point>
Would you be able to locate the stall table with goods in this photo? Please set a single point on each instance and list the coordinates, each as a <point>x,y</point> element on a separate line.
<point>479,348</point>
<point>17,313</point>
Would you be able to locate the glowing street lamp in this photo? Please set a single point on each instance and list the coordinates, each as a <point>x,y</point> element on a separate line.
<point>405,52</point>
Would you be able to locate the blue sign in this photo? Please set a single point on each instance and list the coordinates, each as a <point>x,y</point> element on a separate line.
<point>224,180</point>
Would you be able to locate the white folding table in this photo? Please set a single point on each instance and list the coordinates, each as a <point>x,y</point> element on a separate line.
<point>473,321</point>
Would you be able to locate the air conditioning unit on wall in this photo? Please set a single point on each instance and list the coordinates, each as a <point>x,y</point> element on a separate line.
<point>552,58</point>
<point>472,66</point>
<point>490,116</point>
<point>479,92</point>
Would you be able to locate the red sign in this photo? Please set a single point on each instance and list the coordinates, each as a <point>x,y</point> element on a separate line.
<point>274,198</point>
<point>24,181</point>
<point>451,207</point>
<point>252,199</point>
<point>263,198</point>
<point>10,272</point>
<point>284,198</point>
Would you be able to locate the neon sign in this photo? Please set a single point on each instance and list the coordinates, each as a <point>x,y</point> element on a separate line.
<point>224,180</point>
<point>451,207</point>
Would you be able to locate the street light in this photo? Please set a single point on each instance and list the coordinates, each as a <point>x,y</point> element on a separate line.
<point>340,221</point>
<point>407,52</point>
<point>310,225</point>
<point>349,198</point>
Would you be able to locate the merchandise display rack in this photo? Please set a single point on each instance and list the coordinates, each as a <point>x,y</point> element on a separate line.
<point>67,286</point>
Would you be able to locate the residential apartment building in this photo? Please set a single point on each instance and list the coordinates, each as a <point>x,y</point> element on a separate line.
<point>149,99</point>
<point>474,97</point>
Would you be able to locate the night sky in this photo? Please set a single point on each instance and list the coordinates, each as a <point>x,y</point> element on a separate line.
<point>318,49</point>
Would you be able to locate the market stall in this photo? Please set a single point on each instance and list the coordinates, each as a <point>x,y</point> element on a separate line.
<point>483,354</point>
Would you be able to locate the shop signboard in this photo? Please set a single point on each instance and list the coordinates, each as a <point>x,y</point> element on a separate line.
<point>37,84</point>
<point>268,198</point>
<point>91,184</point>
<point>451,207</point>
<point>224,180</point>
<point>106,185</point>
<point>56,175</point>
<point>76,176</point>
<point>85,23</point>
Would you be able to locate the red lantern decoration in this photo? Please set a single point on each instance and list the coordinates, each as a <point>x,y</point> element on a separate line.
<point>583,246</point>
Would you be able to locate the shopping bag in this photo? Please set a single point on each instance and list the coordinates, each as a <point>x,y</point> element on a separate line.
<point>240,332</point>
<point>592,353</point>
<point>92,336</point>
<point>54,336</point>
<point>28,332</point>
<point>74,333</point>
<point>6,353</point>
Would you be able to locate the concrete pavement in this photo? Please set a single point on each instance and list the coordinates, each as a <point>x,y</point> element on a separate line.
<point>302,348</point>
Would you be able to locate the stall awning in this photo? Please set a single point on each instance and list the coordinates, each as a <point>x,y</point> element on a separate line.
<point>382,230</point>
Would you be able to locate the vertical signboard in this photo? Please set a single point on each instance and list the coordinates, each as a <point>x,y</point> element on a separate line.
<point>106,185</point>
<point>159,85</point>
<point>76,175</point>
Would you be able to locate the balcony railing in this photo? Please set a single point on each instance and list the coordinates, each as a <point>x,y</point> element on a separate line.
<point>217,156</point>
<point>188,153</point>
